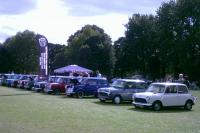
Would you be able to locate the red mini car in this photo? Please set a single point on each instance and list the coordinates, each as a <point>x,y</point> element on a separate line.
<point>59,85</point>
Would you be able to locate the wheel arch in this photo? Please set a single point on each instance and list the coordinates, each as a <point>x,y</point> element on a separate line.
<point>117,95</point>
<point>189,100</point>
<point>158,102</point>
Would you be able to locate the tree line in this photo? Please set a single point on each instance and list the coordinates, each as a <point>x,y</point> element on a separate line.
<point>167,43</point>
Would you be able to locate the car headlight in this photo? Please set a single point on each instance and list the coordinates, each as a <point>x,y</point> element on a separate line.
<point>109,92</point>
<point>99,90</point>
<point>148,98</point>
<point>133,96</point>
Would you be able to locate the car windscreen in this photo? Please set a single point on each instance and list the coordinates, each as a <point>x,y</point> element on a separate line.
<point>156,88</point>
<point>74,81</point>
<point>52,79</point>
<point>59,80</point>
<point>118,84</point>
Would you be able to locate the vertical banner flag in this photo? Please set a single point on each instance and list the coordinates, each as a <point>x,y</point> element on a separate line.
<point>43,55</point>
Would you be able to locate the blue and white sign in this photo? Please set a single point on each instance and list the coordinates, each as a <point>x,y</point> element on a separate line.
<point>43,55</point>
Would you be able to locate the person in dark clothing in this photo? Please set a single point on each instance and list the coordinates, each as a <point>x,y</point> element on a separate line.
<point>183,80</point>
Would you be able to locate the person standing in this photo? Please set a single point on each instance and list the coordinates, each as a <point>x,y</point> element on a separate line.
<point>98,74</point>
<point>183,80</point>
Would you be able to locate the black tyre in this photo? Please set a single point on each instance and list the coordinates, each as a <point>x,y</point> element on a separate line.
<point>80,94</point>
<point>56,91</point>
<point>96,95</point>
<point>188,105</point>
<point>157,106</point>
<point>117,100</point>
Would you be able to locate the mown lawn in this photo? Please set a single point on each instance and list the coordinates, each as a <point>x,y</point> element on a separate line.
<point>28,112</point>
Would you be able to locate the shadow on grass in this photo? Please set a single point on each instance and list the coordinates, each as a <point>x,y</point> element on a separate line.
<point>164,110</point>
<point>19,89</point>
<point>15,94</point>
<point>109,103</point>
<point>74,97</point>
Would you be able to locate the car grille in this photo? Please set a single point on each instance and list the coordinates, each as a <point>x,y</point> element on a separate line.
<point>140,100</point>
<point>103,94</point>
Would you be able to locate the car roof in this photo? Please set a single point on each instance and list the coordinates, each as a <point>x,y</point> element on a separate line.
<point>131,80</point>
<point>95,78</point>
<point>169,83</point>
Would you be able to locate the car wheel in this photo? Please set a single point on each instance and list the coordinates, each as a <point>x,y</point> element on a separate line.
<point>80,94</point>
<point>157,106</point>
<point>96,95</point>
<point>188,105</point>
<point>117,100</point>
<point>56,91</point>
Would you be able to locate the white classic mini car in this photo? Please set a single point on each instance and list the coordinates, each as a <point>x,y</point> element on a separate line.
<point>160,95</point>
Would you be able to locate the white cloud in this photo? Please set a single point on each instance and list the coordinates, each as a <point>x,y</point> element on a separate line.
<point>10,7</point>
<point>97,7</point>
<point>55,19</point>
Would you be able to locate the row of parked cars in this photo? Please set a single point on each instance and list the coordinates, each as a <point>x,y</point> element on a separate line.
<point>155,95</point>
<point>18,80</point>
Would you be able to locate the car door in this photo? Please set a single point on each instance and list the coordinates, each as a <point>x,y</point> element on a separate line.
<point>183,95</point>
<point>63,83</point>
<point>170,96</point>
<point>90,87</point>
<point>128,91</point>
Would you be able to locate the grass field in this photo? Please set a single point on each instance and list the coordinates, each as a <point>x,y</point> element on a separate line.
<point>28,112</point>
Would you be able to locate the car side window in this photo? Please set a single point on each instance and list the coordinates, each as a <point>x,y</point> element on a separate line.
<point>171,89</point>
<point>129,85</point>
<point>167,90</point>
<point>182,90</point>
<point>175,89</point>
<point>92,82</point>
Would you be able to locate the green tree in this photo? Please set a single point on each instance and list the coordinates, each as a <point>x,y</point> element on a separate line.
<point>178,24</point>
<point>141,45</point>
<point>4,60</point>
<point>91,47</point>
<point>188,32</point>
<point>166,22</point>
<point>119,70</point>
<point>23,52</point>
<point>57,56</point>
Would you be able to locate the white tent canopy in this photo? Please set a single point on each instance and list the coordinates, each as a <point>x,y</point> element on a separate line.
<point>72,68</point>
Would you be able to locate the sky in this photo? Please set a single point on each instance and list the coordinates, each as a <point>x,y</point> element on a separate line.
<point>58,19</point>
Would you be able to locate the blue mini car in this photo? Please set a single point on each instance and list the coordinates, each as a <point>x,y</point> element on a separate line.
<point>88,87</point>
<point>121,90</point>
